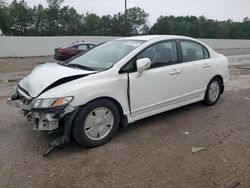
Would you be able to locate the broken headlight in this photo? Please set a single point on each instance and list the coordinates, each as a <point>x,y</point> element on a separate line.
<point>51,102</point>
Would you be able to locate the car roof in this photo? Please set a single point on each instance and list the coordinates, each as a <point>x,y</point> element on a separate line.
<point>82,43</point>
<point>77,43</point>
<point>152,37</point>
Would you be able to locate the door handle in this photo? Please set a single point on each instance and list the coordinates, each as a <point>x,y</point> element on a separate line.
<point>175,71</point>
<point>206,65</point>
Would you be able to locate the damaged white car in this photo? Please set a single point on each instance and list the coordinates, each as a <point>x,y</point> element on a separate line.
<point>117,83</point>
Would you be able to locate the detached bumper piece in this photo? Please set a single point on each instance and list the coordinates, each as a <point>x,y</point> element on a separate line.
<point>57,143</point>
<point>65,138</point>
<point>47,119</point>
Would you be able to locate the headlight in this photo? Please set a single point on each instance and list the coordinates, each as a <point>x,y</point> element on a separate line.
<point>51,102</point>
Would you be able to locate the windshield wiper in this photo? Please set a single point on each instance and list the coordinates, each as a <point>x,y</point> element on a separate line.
<point>80,66</point>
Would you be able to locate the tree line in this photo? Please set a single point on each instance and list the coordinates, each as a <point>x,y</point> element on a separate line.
<point>18,19</point>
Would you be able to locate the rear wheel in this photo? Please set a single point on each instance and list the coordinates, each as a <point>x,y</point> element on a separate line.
<point>96,123</point>
<point>213,91</point>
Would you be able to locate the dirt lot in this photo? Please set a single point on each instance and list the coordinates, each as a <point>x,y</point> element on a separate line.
<point>154,152</point>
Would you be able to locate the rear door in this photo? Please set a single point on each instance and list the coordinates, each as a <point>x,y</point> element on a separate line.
<point>196,69</point>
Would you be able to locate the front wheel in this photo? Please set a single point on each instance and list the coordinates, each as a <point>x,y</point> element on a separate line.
<point>213,92</point>
<point>96,123</point>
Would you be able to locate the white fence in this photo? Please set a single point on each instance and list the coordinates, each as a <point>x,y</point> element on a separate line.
<point>40,46</point>
<point>44,46</point>
<point>226,43</point>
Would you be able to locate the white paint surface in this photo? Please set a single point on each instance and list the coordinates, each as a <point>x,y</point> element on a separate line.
<point>148,91</point>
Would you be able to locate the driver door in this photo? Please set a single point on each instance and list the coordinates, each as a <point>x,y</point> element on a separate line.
<point>158,87</point>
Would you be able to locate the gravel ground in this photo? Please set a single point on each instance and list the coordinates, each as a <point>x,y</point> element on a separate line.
<point>234,51</point>
<point>154,152</point>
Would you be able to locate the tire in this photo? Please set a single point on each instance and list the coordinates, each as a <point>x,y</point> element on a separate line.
<point>93,126</point>
<point>212,96</point>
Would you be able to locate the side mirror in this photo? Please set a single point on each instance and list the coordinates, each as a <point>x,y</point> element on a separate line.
<point>143,64</point>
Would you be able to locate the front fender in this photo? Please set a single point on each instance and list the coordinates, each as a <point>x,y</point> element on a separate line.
<point>82,100</point>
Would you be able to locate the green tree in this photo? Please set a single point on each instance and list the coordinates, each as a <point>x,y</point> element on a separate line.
<point>53,16</point>
<point>90,24</point>
<point>105,26</point>
<point>164,25</point>
<point>118,25</point>
<point>40,24</point>
<point>235,31</point>
<point>136,21</point>
<point>200,27</point>
<point>4,17</point>
<point>245,25</point>
<point>69,22</point>
<point>2,3</point>
<point>21,18</point>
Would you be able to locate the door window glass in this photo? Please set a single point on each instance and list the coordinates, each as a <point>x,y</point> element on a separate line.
<point>83,47</point>
<point>75,46</point>
<point>91,46</point>
<point>206,54</point>
<point>191,51</point>
<point>161,54</point>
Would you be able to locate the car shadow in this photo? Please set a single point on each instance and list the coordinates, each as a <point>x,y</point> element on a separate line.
<point>164,116</point>
<point>73,147</point>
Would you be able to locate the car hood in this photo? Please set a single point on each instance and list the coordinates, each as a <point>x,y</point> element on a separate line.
<point>49,75</point>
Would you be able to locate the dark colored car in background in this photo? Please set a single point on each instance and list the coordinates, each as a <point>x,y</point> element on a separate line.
<point>66,52</point>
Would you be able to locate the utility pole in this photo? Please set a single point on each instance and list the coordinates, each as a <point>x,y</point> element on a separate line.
<point>126,22</point>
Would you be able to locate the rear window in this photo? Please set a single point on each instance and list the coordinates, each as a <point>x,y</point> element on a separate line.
<point>83,47</point>
<point>91,45</point>
<point>76,46</point>
<point>67,46</point>
<point>193,51</point>
<point>206,53</point>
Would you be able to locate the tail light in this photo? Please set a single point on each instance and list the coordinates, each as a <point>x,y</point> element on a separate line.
<point>60,50</point>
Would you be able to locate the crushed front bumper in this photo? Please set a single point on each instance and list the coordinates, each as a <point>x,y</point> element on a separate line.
<point>46,119</point>
<point>43,119</point>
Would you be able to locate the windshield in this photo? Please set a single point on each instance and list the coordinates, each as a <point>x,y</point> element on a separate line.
<point>106,55</point>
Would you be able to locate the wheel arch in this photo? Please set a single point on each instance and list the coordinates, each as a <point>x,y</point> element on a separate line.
<point>221,80</point>
<point>123,117</point>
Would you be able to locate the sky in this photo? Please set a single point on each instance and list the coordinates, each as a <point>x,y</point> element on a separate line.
<point>235,10</point>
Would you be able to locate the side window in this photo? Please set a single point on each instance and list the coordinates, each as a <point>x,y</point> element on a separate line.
<point>130,67</point>
<point>191,51</point>
<point>75,46</point>
<point>161,54</point>
<point>206,53</point>
<point>83,47</point>
<point>91,46</point>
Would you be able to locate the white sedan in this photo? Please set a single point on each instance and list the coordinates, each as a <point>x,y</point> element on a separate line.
<point>119,82</point>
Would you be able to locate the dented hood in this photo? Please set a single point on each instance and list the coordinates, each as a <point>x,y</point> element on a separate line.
<point>49,75</point>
